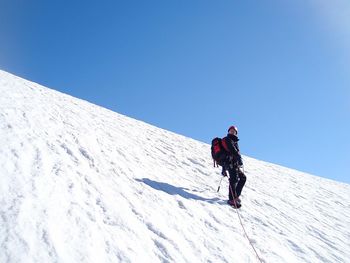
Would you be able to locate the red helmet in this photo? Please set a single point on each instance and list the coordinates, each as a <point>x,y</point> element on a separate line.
<point>233,127</point>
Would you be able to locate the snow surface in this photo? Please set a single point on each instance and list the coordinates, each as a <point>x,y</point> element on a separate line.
<point>80,183</point>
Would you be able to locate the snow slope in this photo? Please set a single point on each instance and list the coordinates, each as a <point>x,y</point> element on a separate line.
<point>80,183</point>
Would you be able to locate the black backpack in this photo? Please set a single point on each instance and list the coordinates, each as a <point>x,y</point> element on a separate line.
<point>218,151</point>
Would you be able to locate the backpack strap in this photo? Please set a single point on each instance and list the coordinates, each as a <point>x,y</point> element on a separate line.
<point>224,144</point>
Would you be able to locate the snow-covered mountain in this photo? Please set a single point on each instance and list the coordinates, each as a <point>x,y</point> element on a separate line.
<point>80,183</point>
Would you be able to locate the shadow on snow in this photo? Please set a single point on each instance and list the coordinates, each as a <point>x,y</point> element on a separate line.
<point>173,190</point>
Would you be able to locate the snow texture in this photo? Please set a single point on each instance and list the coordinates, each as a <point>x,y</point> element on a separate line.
<point>80,183</point>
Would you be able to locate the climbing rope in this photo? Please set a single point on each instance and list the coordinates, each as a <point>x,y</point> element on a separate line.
<point>245,232</point>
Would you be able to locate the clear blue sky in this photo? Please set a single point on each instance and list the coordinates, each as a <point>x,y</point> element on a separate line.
<point>278,69</point>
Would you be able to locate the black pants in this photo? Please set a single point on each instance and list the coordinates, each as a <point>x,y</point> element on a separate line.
<point>237,181</point>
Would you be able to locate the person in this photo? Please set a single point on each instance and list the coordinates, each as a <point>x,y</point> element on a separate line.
<point>233,165</point>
